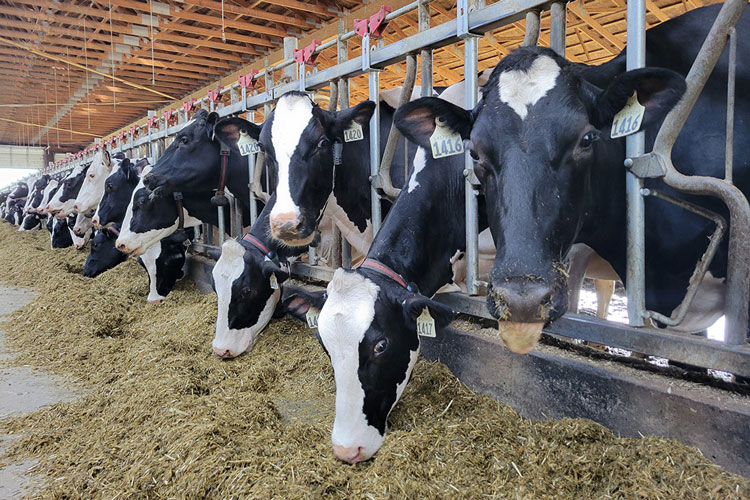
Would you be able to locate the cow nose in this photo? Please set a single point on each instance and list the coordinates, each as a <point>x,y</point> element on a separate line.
<point>349,455</point>
<point>75,208</point>
<point>95,221</point>
<point>285,226</point>
<point>223,353</point>
<point>154,301</point>
<point>122,247</point>
<point>520,299</point>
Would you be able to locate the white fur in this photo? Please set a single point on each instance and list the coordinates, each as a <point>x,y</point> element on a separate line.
<point>64,208</point>
<point>52,184</point>
<point>343,321</point>
<point>520,89</point>
<point>92,188</point>
<point>149,262</point>
<point>228,268</point>
<point>420,161</point>
<point>291,116</point>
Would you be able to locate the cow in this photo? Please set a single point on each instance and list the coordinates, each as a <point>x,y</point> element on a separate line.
<point>36,195</point>
<point>31,221</point>
<point>61,204</point>
<point>247,279</point>
<point>92,188</point>
<point>81,228</point>
<point>14,211</point>
<point>368,316</point>
<point>552,175</point>
<point>118,188</point>
<point>103,255</point>
<point>60,234</point>
<point>164,262</point>
<point>47,194</point>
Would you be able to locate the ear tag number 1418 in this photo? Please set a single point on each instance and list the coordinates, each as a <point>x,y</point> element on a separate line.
<point>247,145</point>
<point>444,141</point>
<point>628,120</point>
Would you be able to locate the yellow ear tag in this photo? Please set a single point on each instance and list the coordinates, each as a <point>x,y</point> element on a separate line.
<point>312,317</point>
<point>425,324</point>
<point>628,120</point>
<point>354,132</point>
<point>247,144</point>
<point>274,282</point>
<point>444,141</point>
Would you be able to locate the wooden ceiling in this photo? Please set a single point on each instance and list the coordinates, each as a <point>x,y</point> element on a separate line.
<point>172,49</point>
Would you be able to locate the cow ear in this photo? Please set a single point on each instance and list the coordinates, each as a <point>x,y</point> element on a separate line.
<point>416,119</point>
<point>414,306</point>
<point>299,302</point>
<point>658,90</point>
<point>361,114</point>
<point>211,120</point>
<point>229,129</point>
<point>270,268</point>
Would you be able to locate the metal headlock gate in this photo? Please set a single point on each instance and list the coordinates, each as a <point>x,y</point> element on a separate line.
<point>472,21</point>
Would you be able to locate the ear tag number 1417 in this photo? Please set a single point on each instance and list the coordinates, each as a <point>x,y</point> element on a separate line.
<point>247,145</point>
<point>628,120</point>
<point>425,324</point>
<point>444,141</point>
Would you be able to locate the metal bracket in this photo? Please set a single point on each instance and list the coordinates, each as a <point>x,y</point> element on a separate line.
<point>463,8</point>
<point>648,166</point>
<point>472,177</point>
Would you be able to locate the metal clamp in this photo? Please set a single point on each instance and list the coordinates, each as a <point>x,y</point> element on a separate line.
<point>648,166</point>
<point>248,81</point>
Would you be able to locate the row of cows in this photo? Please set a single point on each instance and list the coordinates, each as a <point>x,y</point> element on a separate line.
<point>552,178</point>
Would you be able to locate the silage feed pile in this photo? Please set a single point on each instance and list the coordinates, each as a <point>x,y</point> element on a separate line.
<point>162,417</point>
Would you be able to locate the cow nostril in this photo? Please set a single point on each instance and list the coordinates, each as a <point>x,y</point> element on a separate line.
<point>223,353</point>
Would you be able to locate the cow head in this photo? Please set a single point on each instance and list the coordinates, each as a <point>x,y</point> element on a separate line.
<point>118,188</point>
<point>367,325</point>
<point>30,221</point>
<point>92,187</point>
<point>539,137</point>
<point>80,229</point>
<point>299,139</point>
<point>103,254</point>
<point>193,161</point>
<point>60,235</point>
<point>49,192</point>
<point>37,195</point>
<point>62,203</point>
<point>246,299</point>
<point>148,219</point>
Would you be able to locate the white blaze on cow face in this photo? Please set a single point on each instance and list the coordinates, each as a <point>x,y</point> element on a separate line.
<point>290,118</point>
<point>343,321</point>
<point>520,89</point>
<point>420,161</point>
<point>231,342</point>
<point>52,184</point>
<point>65,208</point>
<point>92,188</point>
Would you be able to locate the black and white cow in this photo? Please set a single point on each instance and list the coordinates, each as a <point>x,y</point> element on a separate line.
<point>299,139</point>
<point>103,255</point>
<point>47,195</point>
<point>36,195</point>
<point>81,228</point>
<point>60,234</point>
<point>553,176</point>
<point>117,191</point>
<point>61,204</point>
<point>164,262</point>
<point>92,188</point>
<point>14,211</point>
<point>247,279</point>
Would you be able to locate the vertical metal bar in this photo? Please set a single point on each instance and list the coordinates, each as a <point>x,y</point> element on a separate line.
<point>251,159</point>
<point>533,23</point>
<point>471,46</point>
<point>423,11</point>
<point>558,27</point>
<point>731,79</point>
<point>374,91</point>
<point>634,147</point>
<point>222,229</point>
<point>343,83</point>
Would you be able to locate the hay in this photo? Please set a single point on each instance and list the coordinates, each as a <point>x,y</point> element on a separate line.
<point>164,418</point>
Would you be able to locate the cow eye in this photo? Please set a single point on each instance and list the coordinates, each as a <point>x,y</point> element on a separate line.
<point>324,143</point>
<point>588,139</point>
<point>380,347</point>
<point>474,155</point>
<point>183,139</point>
<point>108,187</point>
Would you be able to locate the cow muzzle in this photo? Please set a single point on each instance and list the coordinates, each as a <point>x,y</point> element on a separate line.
<point>522,308</point>
<point>288,228</point>
<point>224,353</point>
<point>349,455</point>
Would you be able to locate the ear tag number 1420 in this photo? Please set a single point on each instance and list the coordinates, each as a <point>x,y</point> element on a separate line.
<point>444,141</point>
<point>354,132</point>
<point>247,145</point>
<point>628,120</point>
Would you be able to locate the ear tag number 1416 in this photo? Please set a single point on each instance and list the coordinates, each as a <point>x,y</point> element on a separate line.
<point>628,120</point>
<point>444,141</point>
<point>247,145</point>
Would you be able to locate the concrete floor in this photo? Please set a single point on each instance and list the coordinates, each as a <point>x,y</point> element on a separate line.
<point>22,390</point>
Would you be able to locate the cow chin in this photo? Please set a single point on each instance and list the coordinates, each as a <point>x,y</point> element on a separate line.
<point>520,338</point>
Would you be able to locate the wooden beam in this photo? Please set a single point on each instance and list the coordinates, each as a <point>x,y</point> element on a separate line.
<point>596,26</point>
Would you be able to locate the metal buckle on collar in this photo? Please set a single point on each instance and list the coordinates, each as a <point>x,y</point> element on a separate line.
<point>338,152</point>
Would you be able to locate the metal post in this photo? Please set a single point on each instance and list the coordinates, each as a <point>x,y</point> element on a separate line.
<point>634,147</point>
<point>531,37</point>
<point>423,11</point>
<point>731,79</point>
<point>342,56</point>
<point>471,50</point>
<point>557,27</point>
<point>374,89</point>
<point>251,159</point>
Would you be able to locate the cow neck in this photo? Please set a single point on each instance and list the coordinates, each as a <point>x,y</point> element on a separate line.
<point>425,228</point>
<point>351,186</point>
